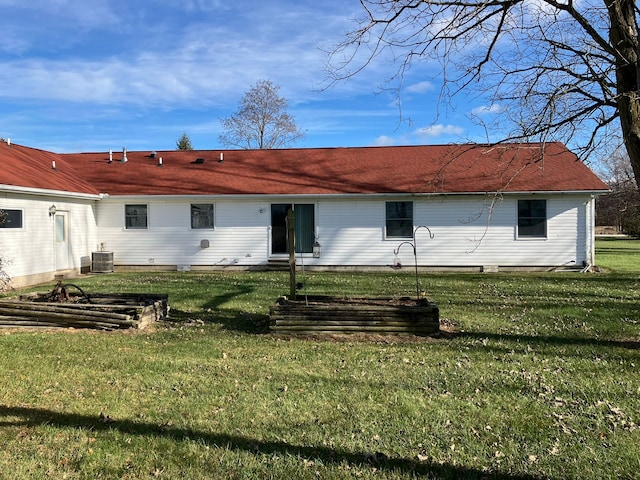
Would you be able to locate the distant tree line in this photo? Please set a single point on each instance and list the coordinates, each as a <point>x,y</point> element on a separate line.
<point>621,207</point>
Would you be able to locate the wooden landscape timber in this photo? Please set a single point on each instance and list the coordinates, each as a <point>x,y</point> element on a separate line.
<point>323,314</point>
<point>101,311</point>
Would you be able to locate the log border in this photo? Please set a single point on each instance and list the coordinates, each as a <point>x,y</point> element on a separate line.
<point>335,315</point>
<point>107,312</point>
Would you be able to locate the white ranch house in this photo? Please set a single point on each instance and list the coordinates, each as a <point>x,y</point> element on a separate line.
<point>489,207</point>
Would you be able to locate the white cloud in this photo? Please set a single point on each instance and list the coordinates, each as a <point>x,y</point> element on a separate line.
<point>487,110</point>
<point>384,141</point>
<point>439,130</point>
<point>420,87</point>
<point>211,61</point>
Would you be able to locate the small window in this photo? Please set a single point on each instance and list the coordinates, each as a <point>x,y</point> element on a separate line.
<point>135,216</point>
<point>532,218</point>
<point>399,219</point>
<point>10,218</point>
<point>201,215</point>
<point>60,229</point>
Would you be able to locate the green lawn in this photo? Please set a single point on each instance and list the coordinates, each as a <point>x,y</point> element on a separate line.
<point>541,380</point>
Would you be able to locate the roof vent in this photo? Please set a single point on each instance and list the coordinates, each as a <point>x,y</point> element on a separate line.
<point>199,161</point>
<point>153,154</point>
<point>124,155</point>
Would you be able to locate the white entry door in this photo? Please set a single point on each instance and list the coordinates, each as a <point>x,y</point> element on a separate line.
<point>61,233</point>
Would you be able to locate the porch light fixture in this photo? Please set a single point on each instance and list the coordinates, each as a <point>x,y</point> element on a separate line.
<point>52,210</point>
<point>317,249</point>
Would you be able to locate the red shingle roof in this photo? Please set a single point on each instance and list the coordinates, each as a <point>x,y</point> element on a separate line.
<point>28,167</point>
<point>313,171</point>
<point>360,170</point>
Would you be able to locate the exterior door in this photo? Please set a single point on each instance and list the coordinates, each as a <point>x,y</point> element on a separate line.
<point>304,227</point>
<point>61,238</point>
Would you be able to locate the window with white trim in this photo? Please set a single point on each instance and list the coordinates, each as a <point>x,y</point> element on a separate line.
<point>532,218</point>
<point>399,220</point>
<point>202,215</point>
<point>10,218</point>
<point>135,216</point>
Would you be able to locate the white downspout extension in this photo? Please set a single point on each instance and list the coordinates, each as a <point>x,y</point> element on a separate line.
<point>591,233</point>
<point>593,229</point>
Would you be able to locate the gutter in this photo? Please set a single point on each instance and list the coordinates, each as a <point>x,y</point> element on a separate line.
<point>51,193</point>
<point>262,196</point>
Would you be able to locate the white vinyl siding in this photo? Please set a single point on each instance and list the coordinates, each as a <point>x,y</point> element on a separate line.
<point>241,234</point>
<point>30,251</point>
<point>468,231</point>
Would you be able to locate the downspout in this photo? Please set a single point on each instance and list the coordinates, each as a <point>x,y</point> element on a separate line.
<point>590,236</point>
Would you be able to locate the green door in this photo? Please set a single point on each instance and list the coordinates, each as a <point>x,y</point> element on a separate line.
<point>304,227</point>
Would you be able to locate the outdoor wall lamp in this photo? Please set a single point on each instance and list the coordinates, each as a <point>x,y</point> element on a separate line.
<point>317,249</point>
<point>52,210</point>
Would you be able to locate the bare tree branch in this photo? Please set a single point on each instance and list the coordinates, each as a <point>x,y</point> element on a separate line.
<point>566,70</point>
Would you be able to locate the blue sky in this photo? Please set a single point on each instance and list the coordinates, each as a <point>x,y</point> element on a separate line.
<point>78,75</point>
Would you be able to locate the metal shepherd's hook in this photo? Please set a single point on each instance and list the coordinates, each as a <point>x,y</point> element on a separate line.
<point>414,245</point>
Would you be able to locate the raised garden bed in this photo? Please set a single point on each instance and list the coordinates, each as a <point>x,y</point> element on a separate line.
<point>329,314</point>
<point>98,311</point>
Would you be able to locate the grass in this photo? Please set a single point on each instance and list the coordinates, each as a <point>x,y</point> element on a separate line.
<point>541,380</point>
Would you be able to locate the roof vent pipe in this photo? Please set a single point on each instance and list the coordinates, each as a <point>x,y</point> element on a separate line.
<point>221,157</point>
<point>8,142</point>
<point>124,155</point>
<point>110,155</point>
<point>53,164</point>
<point>160,161</point>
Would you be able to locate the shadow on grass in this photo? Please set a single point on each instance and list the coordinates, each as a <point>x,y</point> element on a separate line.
<point>212,311</point>
<point>37,416</point>
<point>233,320</point>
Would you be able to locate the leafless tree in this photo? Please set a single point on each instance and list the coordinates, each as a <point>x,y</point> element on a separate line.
<point>566,70</point>
<point>262,121</point>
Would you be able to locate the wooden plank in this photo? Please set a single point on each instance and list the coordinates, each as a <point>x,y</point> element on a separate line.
<point>356,327</point>
<point>364,309</point>
<point>116,318</point>
<point>354,331</point>
<point>342,332</point>
<point>40,322</point>
<point>352,318</point>
<point>354,323</point>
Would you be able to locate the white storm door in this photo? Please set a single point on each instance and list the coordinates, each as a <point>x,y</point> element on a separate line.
<point>61,238</point>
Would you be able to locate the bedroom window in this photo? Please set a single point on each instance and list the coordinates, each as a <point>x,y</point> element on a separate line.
<point>532,218</point>
<point>135,216</point>
<point>201,215</point>
<point>10,218</point>
<point>399,219</point>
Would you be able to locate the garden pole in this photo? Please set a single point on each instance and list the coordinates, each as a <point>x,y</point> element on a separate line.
<point>291,244</point>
